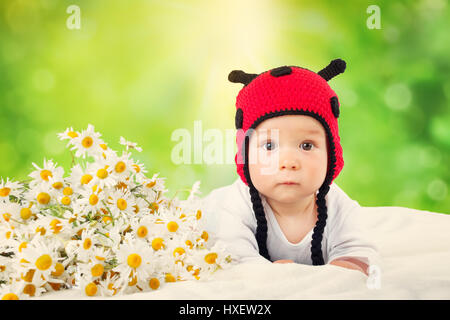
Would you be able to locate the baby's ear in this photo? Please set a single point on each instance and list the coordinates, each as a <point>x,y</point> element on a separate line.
<point>335,67</point>
<point>239,76</point>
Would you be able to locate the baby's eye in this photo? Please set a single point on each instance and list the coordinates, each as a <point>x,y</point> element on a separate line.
<point>269,145</point>
<point>307,146</point>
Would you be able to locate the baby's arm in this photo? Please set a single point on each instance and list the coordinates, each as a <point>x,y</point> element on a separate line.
<point>351,263</point>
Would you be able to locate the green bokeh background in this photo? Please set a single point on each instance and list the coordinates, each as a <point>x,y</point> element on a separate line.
<point>142,69</point>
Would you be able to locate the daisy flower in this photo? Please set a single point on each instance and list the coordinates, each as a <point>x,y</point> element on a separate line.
<point>68,134</point>
<point>7,235</point>
<point>102,174</point>
<point>87,143</point>
<point>42,195</point>
<point>110,286</point>
<point>154,185</point>
<point>9,188</point>
<point>9,212</point>
<point>80,177</point>
<point>13,291</point>
<point>122,166</point>
<point>121,203</point>
<point>95,269</point>
<point>134,260</point>
<point>46,173</point>
<point>85,283</point>
<point>39,256</point>
<point>34,288</point>
<point>138,168</point>
<point>91,200</point>
<point>129,145</point>
<point>86,244</point>
<point>142,227</point>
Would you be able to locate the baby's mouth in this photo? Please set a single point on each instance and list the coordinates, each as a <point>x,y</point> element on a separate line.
<point>289,183</point>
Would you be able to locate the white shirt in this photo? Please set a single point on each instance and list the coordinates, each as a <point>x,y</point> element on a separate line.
<point>229,216</point>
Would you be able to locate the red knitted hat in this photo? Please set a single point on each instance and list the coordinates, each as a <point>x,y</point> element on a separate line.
<point>284,91</point>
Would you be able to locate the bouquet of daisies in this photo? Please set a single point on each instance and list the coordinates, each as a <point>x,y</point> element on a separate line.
<point>105,229</point>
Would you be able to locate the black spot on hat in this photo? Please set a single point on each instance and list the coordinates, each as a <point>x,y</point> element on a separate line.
<point>335,106</point>
<point>281,71</point>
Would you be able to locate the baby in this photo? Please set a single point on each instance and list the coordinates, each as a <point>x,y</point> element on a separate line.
<point>284,207</point>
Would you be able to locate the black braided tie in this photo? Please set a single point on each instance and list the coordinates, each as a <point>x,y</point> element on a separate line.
<point>316,243</point>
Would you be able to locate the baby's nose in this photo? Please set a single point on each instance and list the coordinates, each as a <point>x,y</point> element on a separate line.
<point>289,163</point>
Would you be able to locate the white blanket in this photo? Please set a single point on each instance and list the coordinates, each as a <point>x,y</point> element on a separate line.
<point>414,246</point>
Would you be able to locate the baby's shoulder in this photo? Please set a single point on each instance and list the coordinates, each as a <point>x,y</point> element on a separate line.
<point>234,198</point>
<point>339,204</point>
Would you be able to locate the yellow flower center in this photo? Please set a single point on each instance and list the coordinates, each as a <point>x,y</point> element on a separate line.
<point>172,226</point>
<point>142,231</point>
<point>45,174</point>
<point>87,243</point>
<point>55,225</point>
<point>102,173</point>
<point>120,167</point>
<point>67,191</point>
<point>41,230</point>
<point>205,236</point>
<point>210,258</point>
<point>178,251</point>
<point>59,269</point>
<point>4,192</point>
<point>151,184</point>
<point>97,270</point>
<point>169,277</point>
<point>57,185</point>
<point>196,271</point>
<point>87,142</point>
<point>121,204</point>
<point>93,199</point>
<point>10,296</point>
<point>29,289</point>
<point>106,219</point>
<point>157,243</point>
<point>6,216</point>
<point>199,214</point>
<point>133,281</point>
<point>65,201</point>
<point>103,146</point>
<point>85,179</point>
<point>134,260</point>
<point>28,277</point>
<point>111,287</point>
<point>72,134</point>
<point>137,168</point>
<point>90,289</point>
<point>25,213</point>
<point>154,283</point>
<point>43,198</point>
<point>43,262</point>
<point>23,245</point>
<point>189,244</point>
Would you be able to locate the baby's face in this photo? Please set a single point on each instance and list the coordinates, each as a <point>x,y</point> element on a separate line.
<point>290,148</point>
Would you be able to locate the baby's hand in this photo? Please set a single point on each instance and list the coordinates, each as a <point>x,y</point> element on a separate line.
<point>350,264</point>
<point>283,261</point>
